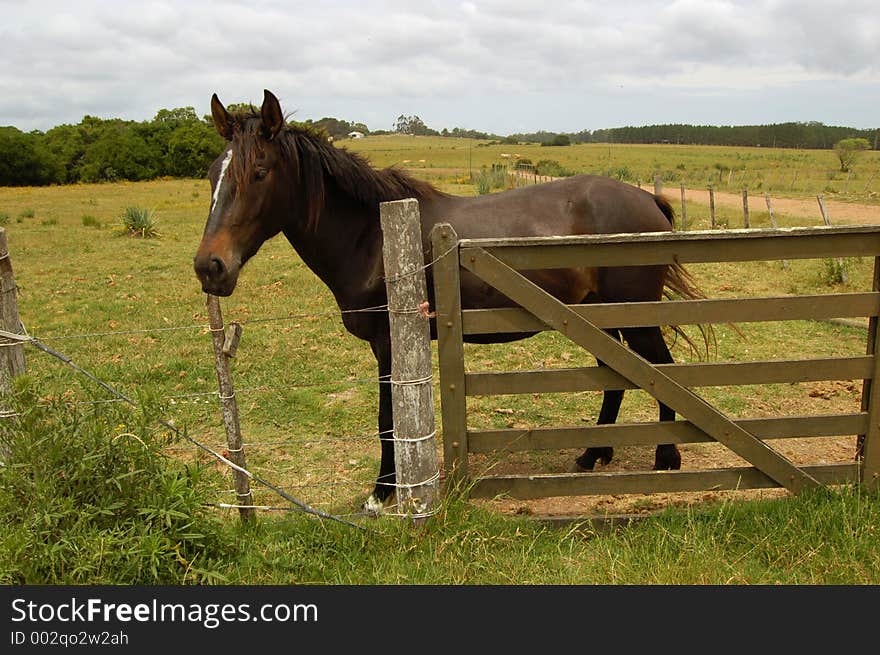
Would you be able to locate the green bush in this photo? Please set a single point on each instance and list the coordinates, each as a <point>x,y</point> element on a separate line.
<point>87,497</point>
<point>552,168</point>
<point>138,221</point>
<point>488,179</point>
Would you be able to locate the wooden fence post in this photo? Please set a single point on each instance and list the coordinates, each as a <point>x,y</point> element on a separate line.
<point>844,277</point>
<point>712,206</point>
<point>12,360</point>
<point>412,392</point>
<point>658,185</point>
<point>683,210</point>
<point>746,208</point>
<point>225,345</point>
<point>868,444</point>
<point>773,220</point>
<point>821,200</point>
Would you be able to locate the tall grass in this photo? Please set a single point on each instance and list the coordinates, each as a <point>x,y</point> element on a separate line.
<point>87,496</point>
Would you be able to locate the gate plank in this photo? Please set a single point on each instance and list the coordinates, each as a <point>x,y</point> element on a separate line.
<point>600,378</point>
<point>525,487</point>
<point>635,368</point>
<point>684,312</point>
<point>683,247</point>
<point>631,434</point>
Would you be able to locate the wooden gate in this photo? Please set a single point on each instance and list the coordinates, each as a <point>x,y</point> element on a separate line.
<point>498,262</point>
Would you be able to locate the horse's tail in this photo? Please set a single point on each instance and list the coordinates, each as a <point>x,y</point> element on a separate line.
<point>679,283</point>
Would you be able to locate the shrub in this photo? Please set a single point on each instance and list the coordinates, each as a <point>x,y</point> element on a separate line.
<point>87,497</point>
<point>558,140</point>
<point>488,179</point>
<point>137,221</point>
<point>849,150</point>
<point>552,168</point>
<point>834,271</point>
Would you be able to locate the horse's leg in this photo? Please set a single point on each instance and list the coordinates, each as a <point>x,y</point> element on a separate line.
<point>387,478</point>
<point>608,414</point>
<point>649,343</point>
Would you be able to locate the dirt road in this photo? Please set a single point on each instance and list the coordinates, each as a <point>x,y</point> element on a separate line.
<point>847,213</point>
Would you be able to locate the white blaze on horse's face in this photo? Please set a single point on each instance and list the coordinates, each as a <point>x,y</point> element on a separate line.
<point>223,166</point>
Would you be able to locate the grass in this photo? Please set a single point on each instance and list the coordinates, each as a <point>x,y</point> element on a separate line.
<point>87,496</point>
<point>307,398</point>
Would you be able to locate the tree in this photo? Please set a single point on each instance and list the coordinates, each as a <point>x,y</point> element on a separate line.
<point>849,150</point>
<point>24,159</point>
<point>413,125</point>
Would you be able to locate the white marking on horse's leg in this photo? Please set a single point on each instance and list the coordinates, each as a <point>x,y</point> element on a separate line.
<point>373,505</point>
<point>223,166</point>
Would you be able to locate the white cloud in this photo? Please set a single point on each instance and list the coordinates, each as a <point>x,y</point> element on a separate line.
<point>489,64</point>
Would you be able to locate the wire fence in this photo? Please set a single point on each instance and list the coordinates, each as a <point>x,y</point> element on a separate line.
<point>333,487</point>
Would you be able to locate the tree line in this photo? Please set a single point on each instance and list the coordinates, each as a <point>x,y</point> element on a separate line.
<point>179,143</point>
<point>811,135</point>
<point>176,143</point>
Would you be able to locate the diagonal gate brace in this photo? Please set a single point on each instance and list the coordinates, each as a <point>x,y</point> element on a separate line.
<point>635,368</point>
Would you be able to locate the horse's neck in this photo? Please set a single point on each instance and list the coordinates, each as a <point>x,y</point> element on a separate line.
<point>344,249</point>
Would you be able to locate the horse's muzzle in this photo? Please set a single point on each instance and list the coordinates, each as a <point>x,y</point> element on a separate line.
<point>216,276</point>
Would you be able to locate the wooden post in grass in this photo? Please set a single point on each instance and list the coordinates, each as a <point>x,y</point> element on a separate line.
<point>844,277</point>
<point>412,393</point>
<point>12,361</point>
<point>225,344</point>
<point>712,206</point>
<point>658,185</point>
<point>746,208</point>
<point>683,209</point>
<point>773,220</point>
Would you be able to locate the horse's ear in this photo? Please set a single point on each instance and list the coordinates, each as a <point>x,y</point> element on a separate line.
<point>273,119</point>
<point>222,120</point>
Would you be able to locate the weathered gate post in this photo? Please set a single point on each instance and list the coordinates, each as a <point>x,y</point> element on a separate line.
<point>868,444</point>
<point>12,362</point>
<point>412,393</point>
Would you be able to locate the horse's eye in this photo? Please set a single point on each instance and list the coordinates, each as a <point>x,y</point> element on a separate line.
<point>260,173</point>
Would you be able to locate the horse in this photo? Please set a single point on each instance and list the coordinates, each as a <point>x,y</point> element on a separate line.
<point>274,177</point>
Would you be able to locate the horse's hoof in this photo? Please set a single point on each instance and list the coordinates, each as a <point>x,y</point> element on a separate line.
<point>373,506</point>
<point>668,461</point>
<point>586,462</point>
<point>576,467</point>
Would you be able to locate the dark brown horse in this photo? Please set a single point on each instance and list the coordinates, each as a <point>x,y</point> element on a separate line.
<point>275,178</point>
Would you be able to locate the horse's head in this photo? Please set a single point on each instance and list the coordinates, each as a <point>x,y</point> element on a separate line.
<point>249,194</point>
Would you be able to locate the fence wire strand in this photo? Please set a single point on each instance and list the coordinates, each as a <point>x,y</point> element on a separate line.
<point>300,505</point>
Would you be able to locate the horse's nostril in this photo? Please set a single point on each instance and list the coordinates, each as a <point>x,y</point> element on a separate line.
<point>217,267</point>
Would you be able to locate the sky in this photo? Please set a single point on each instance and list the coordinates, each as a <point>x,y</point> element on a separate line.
<point>498,66</point>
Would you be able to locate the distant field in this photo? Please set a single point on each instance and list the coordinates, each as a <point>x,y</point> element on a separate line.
<point>783,172</point>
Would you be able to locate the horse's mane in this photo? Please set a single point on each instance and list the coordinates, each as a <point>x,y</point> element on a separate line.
<point>316,163</point>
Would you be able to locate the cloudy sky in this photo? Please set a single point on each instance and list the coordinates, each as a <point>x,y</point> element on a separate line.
<point>499,66</point>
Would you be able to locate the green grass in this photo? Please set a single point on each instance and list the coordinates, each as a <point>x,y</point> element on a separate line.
<point>88,495</point>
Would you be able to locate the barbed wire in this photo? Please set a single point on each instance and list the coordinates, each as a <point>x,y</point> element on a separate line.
<point>302,506</point>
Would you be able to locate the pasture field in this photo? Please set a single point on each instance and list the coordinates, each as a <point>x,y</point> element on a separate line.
<point>130,311</point>
<point>781,172</point>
